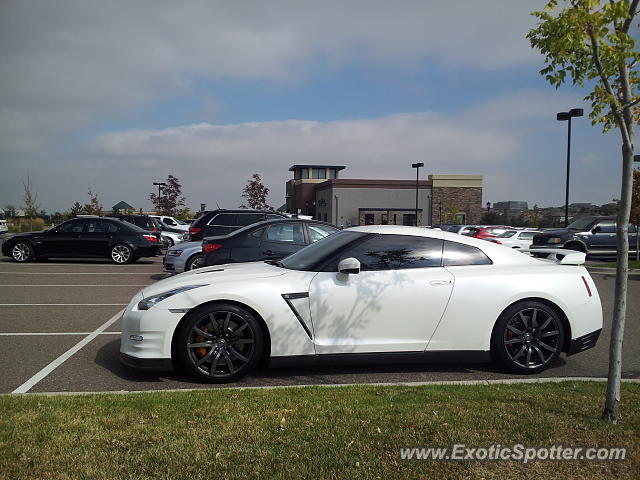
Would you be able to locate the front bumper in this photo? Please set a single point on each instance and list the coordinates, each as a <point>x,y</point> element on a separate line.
<point>155,364</point>
<point>585,342</point>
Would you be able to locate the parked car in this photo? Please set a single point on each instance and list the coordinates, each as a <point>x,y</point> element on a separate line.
<point>367,293</point>
<point>595,236</point>
<point>467,230</point>
<point>171,237</point>
<point>120,241</point>
<point>183,257</point>
<point>145,222</point>
<point>3,225</point>
<point>223,222</point>
<point>490,232</point>
<point>268,240</point>
<point>515,238</point>
<point>171,222</point>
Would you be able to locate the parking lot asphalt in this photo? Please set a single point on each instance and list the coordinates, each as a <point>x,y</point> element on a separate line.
<point>49,314</point>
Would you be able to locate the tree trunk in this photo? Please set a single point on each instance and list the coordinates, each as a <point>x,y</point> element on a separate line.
<point>612,402</point>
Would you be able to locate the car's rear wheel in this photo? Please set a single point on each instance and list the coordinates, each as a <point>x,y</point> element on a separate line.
<point>121,254</point>
<point>220,343</point>
<point>527,338</point>
<point>193,263</point>
<point>22,252</point>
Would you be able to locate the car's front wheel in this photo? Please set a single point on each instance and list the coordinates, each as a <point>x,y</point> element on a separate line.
<point>22,252</point>
<point>121,254</point>
<point>220,343</point>
<point>193,263</point>
<point>527,338</point>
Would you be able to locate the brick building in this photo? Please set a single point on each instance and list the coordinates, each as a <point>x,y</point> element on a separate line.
<point>317,191</point>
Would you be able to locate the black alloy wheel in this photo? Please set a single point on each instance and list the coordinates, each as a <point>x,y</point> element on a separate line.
<point>527,338</point>
<point>220,343</point>
<point>193,263</point>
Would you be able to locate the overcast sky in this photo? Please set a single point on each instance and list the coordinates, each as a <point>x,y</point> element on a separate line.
<point>114,95</point>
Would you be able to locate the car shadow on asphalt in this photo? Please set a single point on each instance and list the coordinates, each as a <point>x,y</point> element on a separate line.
<point>108,358</point>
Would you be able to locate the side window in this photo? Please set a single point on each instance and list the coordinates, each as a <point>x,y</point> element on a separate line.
<point>168,221</point>
<point>74,226</point>
<point>245,219</point>
<point>227,219</point>
<point>101,226</point>
<point>394,252</point>
<point>526,235</point>
<point>607,226</point>
<point>286,232</point>
<point>318,232</point>
<point>460,254</point>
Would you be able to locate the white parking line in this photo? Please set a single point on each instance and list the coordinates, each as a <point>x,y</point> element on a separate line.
<point>17,334</point>
<point>29,384</point>
<point>83,273</point>
<point>62,304</point>
<point>119,285</point>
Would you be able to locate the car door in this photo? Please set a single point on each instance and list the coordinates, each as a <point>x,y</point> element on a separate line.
<point>633,236</point>
<point>525,239</point>
<point>63,240</point>
<point>97,237</point>
<point>282,239</point>
<point>393,304</point>
<point>603,238</point>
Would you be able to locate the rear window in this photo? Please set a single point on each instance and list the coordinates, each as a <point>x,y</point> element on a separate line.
<point>245,219</point>
<point>226,219</point>
<point>456,254</point>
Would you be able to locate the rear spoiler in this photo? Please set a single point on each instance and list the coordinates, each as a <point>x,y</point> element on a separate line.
<point>559,255</point>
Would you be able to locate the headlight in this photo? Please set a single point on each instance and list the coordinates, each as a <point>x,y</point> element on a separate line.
<point>554,240</point>
<point>174,253</point>
<point>147,303</point>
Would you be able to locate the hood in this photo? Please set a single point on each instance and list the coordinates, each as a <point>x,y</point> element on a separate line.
<point>556,233</point>
<point>231,272</point>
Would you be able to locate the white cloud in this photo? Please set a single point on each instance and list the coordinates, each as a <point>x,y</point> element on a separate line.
<point>65,64</point>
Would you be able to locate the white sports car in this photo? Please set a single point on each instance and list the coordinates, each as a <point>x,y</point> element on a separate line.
<point>391,291</point>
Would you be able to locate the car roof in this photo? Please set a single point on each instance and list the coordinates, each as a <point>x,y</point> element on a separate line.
<point>265,223</point>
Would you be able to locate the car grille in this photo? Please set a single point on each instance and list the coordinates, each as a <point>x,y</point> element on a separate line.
<point>540,240</point>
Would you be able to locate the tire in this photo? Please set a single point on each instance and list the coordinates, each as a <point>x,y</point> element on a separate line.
<point>219,343</point>
<point>527,338</point>
<point>170,242</point>
<point>22,252</point>
<point>192,263</point>
<point>121,254</point>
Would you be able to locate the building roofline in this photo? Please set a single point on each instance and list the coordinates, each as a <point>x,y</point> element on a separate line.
<point>367,183</point>
<point>338,167</point>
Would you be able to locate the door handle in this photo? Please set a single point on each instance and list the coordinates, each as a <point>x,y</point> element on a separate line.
<point>440,282</point>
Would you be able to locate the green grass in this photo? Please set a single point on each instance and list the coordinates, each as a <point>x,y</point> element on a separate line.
<point>311,432</point>
<point>632,264</point>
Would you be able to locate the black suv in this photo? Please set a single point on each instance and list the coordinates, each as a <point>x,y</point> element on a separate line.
<point>215,223</point>
<point>145,222</point>
<point>595,236</point>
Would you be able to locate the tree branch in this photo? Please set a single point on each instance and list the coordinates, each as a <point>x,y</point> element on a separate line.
<point>633,10</point>
<point>595,49</point>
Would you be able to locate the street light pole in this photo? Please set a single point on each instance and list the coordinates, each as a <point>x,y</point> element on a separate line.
<point>160,185</point>
<point>488,208</point>
<point>561,117</point>
<point>417,167</point>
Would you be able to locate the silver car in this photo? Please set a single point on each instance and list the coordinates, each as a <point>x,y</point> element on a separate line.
<point>183,257</point>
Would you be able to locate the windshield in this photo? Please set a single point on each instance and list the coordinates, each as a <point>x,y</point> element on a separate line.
<point>507,234</point>
<point>582,224</point>
<point>313,256</point>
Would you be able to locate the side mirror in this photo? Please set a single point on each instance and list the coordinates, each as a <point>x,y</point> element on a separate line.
<point>349,265</point>
<point>597,229</point>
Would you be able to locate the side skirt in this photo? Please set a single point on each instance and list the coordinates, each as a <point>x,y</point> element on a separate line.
<point>445,356</point>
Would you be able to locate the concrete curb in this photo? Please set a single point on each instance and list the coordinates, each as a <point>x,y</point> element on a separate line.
<point>503,381</point>
<point>610,271</point>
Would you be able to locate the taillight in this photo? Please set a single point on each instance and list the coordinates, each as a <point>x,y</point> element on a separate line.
<point>151,238</point>
<point>195,230</point>
<point>584,280</point>
<point>211,247</point>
